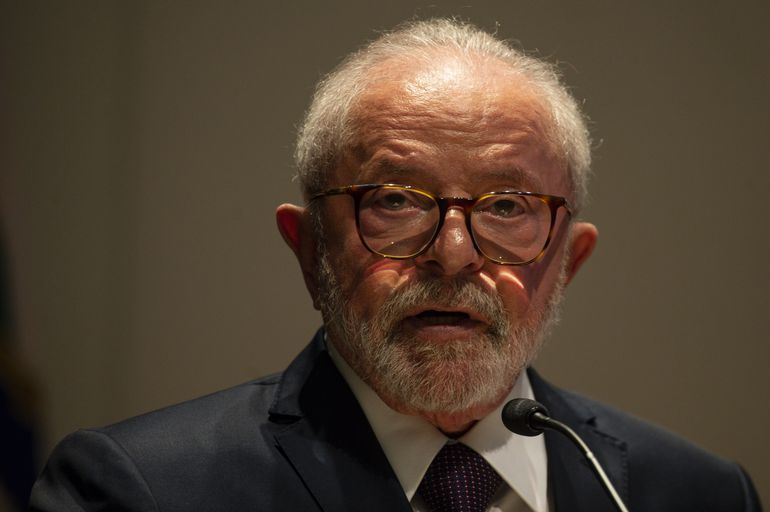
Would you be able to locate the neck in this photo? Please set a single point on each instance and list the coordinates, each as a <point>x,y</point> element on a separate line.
<point>451,424</point>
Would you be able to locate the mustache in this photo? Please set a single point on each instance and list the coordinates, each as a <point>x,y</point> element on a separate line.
<point>455,293</point>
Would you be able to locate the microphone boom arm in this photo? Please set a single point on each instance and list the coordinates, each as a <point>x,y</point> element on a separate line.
<point>527,417</point>
<point>541,421</point>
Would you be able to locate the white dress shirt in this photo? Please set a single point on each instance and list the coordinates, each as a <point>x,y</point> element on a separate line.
<point>410,443</point>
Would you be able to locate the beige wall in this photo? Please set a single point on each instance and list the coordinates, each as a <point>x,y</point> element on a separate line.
<point>145,146</point>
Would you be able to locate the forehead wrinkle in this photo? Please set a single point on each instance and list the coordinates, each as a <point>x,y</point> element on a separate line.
<point>482,118</point>
<point>495,136</point>
<point>488,115</point>
<point>393,151</point>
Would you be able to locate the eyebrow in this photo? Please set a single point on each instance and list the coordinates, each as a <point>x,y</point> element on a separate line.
<point>517,177</point>
<point>388,167</point>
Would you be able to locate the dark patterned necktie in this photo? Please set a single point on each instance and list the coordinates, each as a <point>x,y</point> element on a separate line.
<point>458,480</point>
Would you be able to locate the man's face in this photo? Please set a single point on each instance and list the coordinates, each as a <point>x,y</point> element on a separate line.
<point>446,333</point>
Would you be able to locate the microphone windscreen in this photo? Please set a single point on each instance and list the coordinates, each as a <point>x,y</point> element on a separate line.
<point>517,416</point>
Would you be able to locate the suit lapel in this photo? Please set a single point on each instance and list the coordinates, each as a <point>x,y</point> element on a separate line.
<point>571,481</point>
<point>326,437</point>
<point>328,440</point>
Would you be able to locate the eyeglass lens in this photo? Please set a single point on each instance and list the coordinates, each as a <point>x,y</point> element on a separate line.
<point>507,228</point>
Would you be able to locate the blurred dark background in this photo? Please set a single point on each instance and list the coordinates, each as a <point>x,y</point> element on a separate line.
<point>145,145</point>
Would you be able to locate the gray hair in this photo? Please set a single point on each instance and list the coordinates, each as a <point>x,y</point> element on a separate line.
<point>327,128</point>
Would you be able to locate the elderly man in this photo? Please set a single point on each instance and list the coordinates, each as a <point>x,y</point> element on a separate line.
<point>443,172</point>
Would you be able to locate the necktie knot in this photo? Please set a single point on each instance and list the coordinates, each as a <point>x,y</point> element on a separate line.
<point>458,480</point>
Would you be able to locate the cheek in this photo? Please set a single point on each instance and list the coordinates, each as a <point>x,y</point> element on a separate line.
<point>366,278</point>
<point>511,287</point>
<point>523,289</point>
<point>369,280</point>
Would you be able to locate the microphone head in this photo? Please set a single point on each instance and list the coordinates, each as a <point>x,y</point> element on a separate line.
<point>517,416</point>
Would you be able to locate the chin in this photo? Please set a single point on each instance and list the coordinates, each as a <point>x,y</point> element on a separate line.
<point>444,378</point>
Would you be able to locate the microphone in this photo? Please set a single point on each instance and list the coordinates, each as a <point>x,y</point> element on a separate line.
<point>530,418</point>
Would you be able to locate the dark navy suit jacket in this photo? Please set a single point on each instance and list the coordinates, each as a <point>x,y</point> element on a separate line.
<point>298,441</point>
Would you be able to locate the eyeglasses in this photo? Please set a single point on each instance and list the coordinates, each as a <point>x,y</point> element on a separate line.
<point>400,222</point>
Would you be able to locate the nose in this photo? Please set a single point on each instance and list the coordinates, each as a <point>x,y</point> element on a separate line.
<point>453,251</point>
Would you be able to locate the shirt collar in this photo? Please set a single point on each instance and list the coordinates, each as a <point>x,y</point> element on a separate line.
<point>410,443</point>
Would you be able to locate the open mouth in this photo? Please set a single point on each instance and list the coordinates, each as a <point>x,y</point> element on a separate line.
<point>434,317</point>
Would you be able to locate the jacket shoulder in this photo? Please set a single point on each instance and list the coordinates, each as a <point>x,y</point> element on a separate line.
<point>660,463</point>
<point>644,439</point>
<point>227,409</point>
<point>196,455</point>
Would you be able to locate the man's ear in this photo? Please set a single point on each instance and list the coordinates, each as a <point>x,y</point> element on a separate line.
<point>582,241</point>
<point>295,226</point>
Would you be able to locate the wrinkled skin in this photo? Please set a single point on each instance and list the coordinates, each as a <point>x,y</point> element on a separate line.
<point>454,128</point>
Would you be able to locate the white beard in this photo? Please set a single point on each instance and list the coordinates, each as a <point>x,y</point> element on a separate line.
<point>449,377</point>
